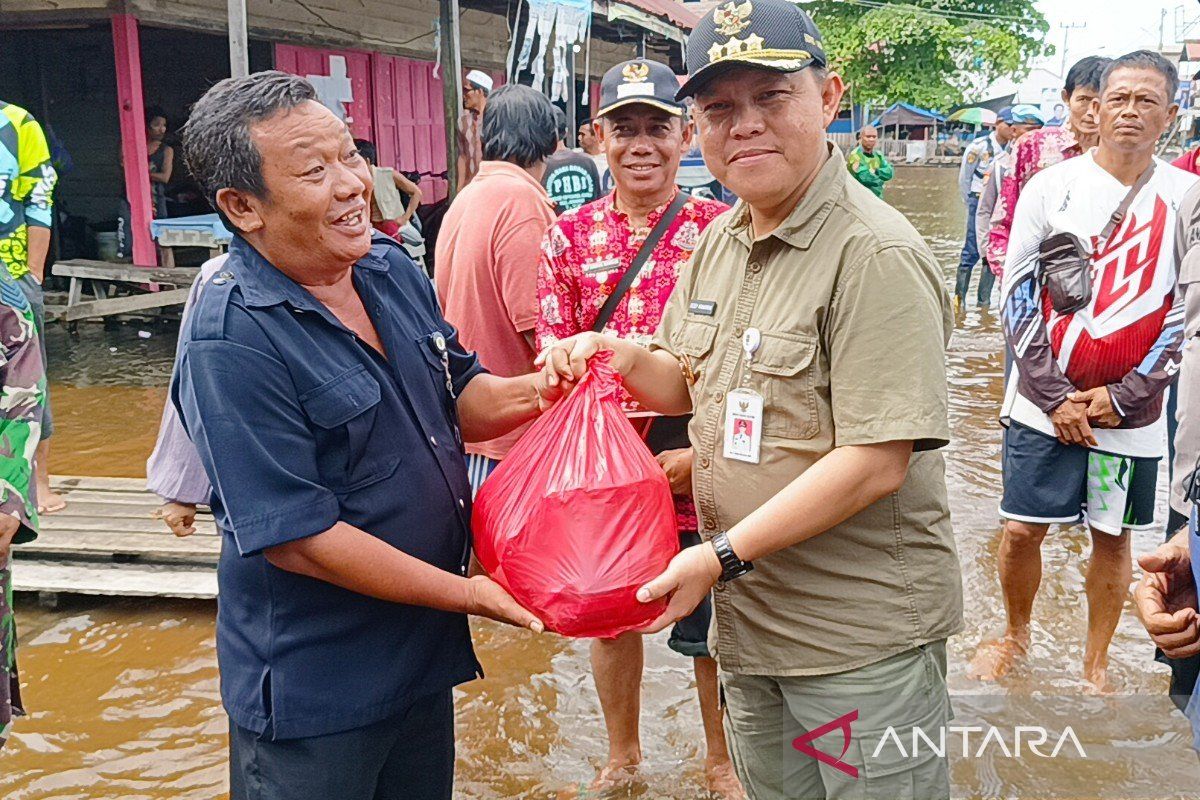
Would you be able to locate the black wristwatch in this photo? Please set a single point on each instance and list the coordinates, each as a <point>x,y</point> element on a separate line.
<point>732,567</point>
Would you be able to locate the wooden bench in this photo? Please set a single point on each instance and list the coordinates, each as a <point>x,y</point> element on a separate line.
<point>105,276</point>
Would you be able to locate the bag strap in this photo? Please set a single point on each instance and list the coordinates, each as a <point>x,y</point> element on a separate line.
<point>610,305</point>
<point>1119,215</point>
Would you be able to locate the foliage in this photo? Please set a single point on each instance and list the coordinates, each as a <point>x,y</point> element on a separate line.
<point>933,53</point>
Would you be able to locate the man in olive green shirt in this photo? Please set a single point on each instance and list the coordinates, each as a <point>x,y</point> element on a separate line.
<point>808,340</point>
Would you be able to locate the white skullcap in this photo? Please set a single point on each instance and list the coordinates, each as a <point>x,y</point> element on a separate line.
<point>481,79</point>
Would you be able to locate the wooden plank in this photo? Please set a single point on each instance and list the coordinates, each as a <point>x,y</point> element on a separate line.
<point>68,482</point>
<point>105,271</point>
<point>99,545</point>
<point>85,526</point>
<point>124,506</point>
<point>128,580</point>
<point>126,502</point>
<point>125,305</point>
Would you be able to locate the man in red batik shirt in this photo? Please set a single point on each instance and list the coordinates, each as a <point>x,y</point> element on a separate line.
<point>584,257</point>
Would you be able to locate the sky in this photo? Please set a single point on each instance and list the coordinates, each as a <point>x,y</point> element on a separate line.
<point>1114,27</point>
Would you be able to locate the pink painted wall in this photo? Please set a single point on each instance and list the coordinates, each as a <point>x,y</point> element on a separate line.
<point>410,119</point>
<point>313,61</point>
<point>131,111</point>
<point>397,104</point>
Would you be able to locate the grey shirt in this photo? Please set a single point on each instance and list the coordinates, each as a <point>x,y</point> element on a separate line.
<point>1187,437</point>
<point>174,471</point>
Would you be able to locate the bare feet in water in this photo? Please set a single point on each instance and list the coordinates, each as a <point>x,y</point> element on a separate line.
<point>614,774</point>
<point>722,781</point>
<point>1095,672</point>
<point>996,658</point>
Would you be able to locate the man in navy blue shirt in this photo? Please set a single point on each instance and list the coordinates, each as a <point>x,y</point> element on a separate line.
<point>328,400</point>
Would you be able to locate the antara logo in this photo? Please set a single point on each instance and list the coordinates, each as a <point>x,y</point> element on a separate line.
<point>802,743</point>
<point>1032,739</point>
<point>1125,270</point>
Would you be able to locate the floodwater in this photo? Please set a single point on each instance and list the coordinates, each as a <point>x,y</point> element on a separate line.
<point>124,693</point>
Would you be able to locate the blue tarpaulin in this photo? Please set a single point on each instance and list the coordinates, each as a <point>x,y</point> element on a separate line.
<point>907,114</point>
<point>206,223</point>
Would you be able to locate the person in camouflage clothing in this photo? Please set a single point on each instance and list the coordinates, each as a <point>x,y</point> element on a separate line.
<point>22,398</point>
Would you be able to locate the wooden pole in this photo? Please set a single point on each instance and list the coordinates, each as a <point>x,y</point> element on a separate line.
<point>131,111</point>
<point>451,64</point>
<point>572,102</point>
<point>239,42</point>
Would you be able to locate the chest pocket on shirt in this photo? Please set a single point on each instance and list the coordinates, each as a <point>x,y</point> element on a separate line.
<point>783,373</point>
<point>343,409</point>
<point>695,340</point>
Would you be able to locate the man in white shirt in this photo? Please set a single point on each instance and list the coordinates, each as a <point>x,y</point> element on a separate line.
<point>1084,403</point>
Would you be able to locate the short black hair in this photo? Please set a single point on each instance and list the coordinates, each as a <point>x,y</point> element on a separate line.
<point>519,126</point>
<point>153,112</point>
<point>1086,73</point>
<point>367,150</point>
<point>1145,59</point>
<point>560,123</point>
<point>217,145</point>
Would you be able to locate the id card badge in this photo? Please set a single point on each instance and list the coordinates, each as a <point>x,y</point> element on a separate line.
<point>743,425</point>
<point>744,410</point>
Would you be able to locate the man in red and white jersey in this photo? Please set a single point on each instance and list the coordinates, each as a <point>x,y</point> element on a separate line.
<point>1084,405</point>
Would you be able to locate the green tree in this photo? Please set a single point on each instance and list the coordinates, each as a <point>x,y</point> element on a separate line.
<point>934,53</point>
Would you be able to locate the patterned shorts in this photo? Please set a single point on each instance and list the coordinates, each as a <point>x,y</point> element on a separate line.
<point>1047,482</point>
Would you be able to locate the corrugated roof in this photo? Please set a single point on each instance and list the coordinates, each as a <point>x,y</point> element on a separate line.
<point>671,11</point>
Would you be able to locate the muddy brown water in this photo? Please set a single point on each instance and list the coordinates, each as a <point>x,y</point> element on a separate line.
<point>124,693</point>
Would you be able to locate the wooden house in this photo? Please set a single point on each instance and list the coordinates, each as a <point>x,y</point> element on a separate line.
<point>89,69</point>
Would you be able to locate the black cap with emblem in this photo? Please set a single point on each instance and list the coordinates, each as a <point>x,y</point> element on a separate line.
<point>639,81</point>
<point>772,34</point>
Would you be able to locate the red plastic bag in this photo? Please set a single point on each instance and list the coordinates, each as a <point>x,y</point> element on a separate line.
<point>579,515</point>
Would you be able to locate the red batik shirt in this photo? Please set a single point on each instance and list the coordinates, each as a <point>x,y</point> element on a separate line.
<point>585,254</point>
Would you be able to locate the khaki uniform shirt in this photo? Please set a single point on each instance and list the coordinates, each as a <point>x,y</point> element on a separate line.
<point>854,320</point>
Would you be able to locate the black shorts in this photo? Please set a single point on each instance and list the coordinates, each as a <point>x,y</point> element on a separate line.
<point>689,637</point>
<point>1047,482</point>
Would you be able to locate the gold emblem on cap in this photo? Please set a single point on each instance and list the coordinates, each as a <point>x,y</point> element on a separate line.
<point>731,18</point>
<point>735,47</point>
<point>636,72</point>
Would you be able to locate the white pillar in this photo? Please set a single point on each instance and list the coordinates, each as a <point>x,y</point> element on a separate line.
<point>239,42</point>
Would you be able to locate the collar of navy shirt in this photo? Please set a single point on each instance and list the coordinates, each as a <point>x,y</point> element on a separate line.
<point>262,284</point>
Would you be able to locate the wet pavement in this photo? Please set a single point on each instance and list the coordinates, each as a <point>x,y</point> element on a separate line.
<point>124,693</point>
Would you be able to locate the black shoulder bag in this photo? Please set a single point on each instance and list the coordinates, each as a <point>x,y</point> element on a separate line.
<point>639,260</point>
<point>670,433</point>
<point>1065,262</point>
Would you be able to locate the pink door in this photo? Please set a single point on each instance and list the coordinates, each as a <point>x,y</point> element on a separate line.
<point>354,82</point>
<point>410,119</point>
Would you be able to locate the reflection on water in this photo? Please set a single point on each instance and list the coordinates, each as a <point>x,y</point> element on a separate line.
<point>124,693</point>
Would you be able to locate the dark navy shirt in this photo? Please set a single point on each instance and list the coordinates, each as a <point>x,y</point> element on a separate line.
<point>300,424</point>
